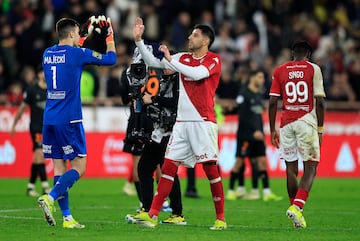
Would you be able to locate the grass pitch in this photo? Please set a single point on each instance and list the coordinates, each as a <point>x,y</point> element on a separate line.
<point>332,213</point>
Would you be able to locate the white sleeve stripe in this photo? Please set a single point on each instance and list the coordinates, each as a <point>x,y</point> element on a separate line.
<point>274,94</point>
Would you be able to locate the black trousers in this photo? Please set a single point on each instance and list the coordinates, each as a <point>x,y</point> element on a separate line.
<point>152,155</point>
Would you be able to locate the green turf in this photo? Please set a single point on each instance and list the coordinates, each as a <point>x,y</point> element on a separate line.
<point>332,213</point>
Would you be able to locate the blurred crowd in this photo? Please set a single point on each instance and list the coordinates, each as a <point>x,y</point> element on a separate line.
<point>250,34</point>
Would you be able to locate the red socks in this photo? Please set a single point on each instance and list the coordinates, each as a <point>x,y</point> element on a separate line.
<point>300,198</point>
<point>217,190</point>
<point>166,182</point>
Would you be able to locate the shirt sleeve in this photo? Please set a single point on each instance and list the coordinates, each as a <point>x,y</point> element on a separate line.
<point>275,84</point>
<point>194,73</point>
<point>318,82</point>
<point>149,58</point>
<point>93,57</point>
<point>27,95</point>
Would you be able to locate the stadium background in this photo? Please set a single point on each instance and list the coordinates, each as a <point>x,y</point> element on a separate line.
<point>249,34</point>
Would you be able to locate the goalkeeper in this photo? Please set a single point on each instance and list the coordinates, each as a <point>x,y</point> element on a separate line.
<point>63,132</point>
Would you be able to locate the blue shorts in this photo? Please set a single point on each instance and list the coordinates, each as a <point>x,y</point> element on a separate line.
<point>65,141</point>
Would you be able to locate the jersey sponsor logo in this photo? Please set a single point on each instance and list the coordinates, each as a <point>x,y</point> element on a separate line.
<point>296,66</point>
<point>68,149</point>
<point>297,107</point>
<point>296,74</point>
<point>47,149</point>
<point>55,59</point>
<point>97,55</point>
<point>56,95</point>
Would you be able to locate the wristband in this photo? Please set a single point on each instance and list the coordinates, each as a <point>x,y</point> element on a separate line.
<point>110,38</point>
<point>320,129</point>
<point>81,41</point>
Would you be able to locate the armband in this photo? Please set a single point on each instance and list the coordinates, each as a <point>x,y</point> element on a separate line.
<point>320,129</point>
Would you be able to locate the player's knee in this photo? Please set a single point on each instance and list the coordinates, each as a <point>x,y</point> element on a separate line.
<point>169,168</point>
<point>211,170</point>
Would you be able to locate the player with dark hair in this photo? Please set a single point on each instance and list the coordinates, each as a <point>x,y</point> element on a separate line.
<point>63,132</point>
<point>251,141</point>
<point>299,83</point>
<point>195,134</point>
<point>35,97</point>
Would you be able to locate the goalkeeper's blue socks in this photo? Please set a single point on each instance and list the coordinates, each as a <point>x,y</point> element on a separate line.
<point>64,183</point>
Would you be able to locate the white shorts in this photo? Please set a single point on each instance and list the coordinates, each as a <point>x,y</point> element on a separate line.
<point>299,139</point>
<point>193,142</point>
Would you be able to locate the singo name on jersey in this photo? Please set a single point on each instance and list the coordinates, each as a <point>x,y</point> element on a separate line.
<point>296,74</point>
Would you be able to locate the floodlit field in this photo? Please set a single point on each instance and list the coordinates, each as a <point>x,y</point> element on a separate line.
<point>332,213</point>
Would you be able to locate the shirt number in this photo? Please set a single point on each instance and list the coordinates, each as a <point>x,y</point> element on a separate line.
<point>53,70</point>
<point>297,92</point>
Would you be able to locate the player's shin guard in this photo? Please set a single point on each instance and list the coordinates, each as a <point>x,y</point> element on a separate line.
<point>64,183</point>
<point>63,200</point>
<point>212,172</point>
<point>166,182</point>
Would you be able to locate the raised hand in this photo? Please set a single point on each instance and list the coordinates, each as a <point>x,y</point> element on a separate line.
<point>87,29</point>
<point>138,29</point>
<point>163,48</point>
<point>110,31</point>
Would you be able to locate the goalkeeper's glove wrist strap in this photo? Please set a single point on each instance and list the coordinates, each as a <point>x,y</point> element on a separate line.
<point>82,40</point>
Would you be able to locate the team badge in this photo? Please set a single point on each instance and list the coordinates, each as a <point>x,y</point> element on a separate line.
<point>97,55</point>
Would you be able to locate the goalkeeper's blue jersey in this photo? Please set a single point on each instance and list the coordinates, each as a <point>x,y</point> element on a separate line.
<point>63,66</point>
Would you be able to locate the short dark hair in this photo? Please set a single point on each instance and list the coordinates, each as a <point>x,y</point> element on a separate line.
<point>255,72</point>
<point>207,31</point>
<point>302,47</point>
<point>64,26</point>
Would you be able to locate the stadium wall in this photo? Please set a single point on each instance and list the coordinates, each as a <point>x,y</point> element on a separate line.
<point>105,128</point>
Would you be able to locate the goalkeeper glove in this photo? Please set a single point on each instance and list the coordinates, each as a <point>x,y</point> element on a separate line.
<point>110,32</point>
<point>106,25</point>
<point>87,30</point>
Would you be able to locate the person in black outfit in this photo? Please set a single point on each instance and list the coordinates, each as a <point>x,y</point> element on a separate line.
<point>251,142</point>
<point>35,98</point>
<point>191,186</point>
<point>161,112</point>
<point>133,145</point>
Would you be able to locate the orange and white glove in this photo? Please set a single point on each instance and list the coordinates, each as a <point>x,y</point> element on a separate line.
<point>87,30</point>
<point>110,32</point>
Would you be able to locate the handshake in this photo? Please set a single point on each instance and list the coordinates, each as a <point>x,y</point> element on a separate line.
<point>101,25</point>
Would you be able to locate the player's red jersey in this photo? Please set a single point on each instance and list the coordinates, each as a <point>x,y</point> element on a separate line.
<point>196,98</point>
<point>297,82</point>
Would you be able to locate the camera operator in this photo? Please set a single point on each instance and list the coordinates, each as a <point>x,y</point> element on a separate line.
<point>161,110</point>
<point>131,80</point>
